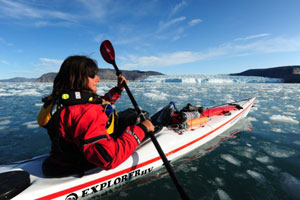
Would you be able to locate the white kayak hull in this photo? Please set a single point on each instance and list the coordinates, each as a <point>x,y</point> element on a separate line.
<point>143,161</point>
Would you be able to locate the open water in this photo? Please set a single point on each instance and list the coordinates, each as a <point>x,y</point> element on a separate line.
<point>260,162</point>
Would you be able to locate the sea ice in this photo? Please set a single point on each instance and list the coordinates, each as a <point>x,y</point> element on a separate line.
<point>283,119</point>
<point>277,130</point>
<point>231,159</point>
<point>219,181</point>
<point>223,195</point>
<point>264,159</point>
<point>31,125</point>
<point>290,184</point>
<point>256,175</point>
<point>297,142</point>
<point>3,127</point>
<point>29,92</point>
<point>253,119</point>
<point>5,122</point>
<point>156,96</point>
<point>273,168</point>
<point>277,151</point>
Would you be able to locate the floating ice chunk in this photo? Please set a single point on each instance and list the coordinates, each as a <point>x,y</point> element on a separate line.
<point>219,181</point>
<point>3,127</point>
<point>289,113</point>
<point>231,159</point>
<point>256,175</point>
<point>252,119</point>
<point>156,96</point>
<point>283,119</point>
<point>266,122</point>
<point>31,125</point>
<point>29,92</point>
<point>277,130</point>
<point>297,142</point>
<point>223,195</point>
<point>5,94</point>
<point>240,175</point>
<point>273,168</point>
<point>5,122</point>
<point>290,184</point>
<point>123,194</point>
<point>254,109</point>
<point>278,151</point>
<point>38,104</point>
<point>290,106</point>
<point>264,159</point>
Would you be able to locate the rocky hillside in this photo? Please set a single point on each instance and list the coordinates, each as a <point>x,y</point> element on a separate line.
<point>18,79</point>
<point>290,74</point>
<point>108,74</point>
<point>49,77</point>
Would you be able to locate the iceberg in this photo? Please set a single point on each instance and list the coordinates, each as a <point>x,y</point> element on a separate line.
<point>209,79</point>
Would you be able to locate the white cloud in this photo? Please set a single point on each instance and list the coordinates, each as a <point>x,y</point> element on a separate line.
<point>97,10</point>
<point>98,38</point>
<point>3,41</point>
<point>49,60</point>
<point>4,62</point>
<point>169,59</point>
<point>231,49</point>
<point>165,25</point>
<point>22,11</point>
<point>178,7</point>
<point>50,64</point>
<point>253,36</point>
<point>195,21</point>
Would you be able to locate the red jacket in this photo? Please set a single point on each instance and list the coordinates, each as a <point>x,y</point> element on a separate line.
<point>85,124</point>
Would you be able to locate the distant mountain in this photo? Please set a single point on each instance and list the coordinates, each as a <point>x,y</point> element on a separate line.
<point>49,77</point>
<point>107,74</point>
<point>18,79</point>
<point>290,74</point>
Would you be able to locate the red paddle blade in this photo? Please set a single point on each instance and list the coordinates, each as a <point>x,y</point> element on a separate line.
<point>107,51</point>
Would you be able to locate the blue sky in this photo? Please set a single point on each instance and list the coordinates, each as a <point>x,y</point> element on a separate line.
<point>172,37</point>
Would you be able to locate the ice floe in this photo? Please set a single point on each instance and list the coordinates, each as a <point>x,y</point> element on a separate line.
<point>290,184</point>
<point>277,151</point>
<point>256,175</point>
<point>223,195</point>
<point>283,119</point>
<point>231,159</point>
<point>5,122</point>
<point>31,125</point>
<point>264,159</point>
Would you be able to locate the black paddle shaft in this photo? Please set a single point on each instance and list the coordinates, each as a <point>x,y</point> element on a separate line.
<point>154,140</point>
<point>108,54</point>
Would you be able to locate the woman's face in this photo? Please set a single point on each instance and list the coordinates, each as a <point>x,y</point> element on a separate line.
<point>93,83</point>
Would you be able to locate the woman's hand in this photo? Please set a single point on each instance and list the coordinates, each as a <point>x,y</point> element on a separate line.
<point>148,124</point>
<point>121,81</point>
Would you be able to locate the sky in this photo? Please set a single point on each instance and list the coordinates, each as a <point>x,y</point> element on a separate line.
<point>168,36</point>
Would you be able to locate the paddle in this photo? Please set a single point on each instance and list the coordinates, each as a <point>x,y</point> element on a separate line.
<point>108,54</point>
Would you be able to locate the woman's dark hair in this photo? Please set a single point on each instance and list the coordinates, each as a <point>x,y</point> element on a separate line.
<point>73,75</point>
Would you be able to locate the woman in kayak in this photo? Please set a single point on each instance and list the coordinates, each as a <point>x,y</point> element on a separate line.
<point>79,122</point>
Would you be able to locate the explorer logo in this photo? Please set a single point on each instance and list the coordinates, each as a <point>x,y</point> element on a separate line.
<point>107,184</point>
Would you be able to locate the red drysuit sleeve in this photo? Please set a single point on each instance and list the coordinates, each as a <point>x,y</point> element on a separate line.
<point>113,95</point>
<point>101,149</point>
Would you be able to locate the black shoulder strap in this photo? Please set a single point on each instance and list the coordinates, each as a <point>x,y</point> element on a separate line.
<point>77,97</point>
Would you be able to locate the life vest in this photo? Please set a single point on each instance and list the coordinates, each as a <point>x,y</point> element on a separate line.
<point>75,98</point>
<point>66,155</point>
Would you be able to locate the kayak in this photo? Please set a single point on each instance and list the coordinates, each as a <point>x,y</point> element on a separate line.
<point>27,181</point>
